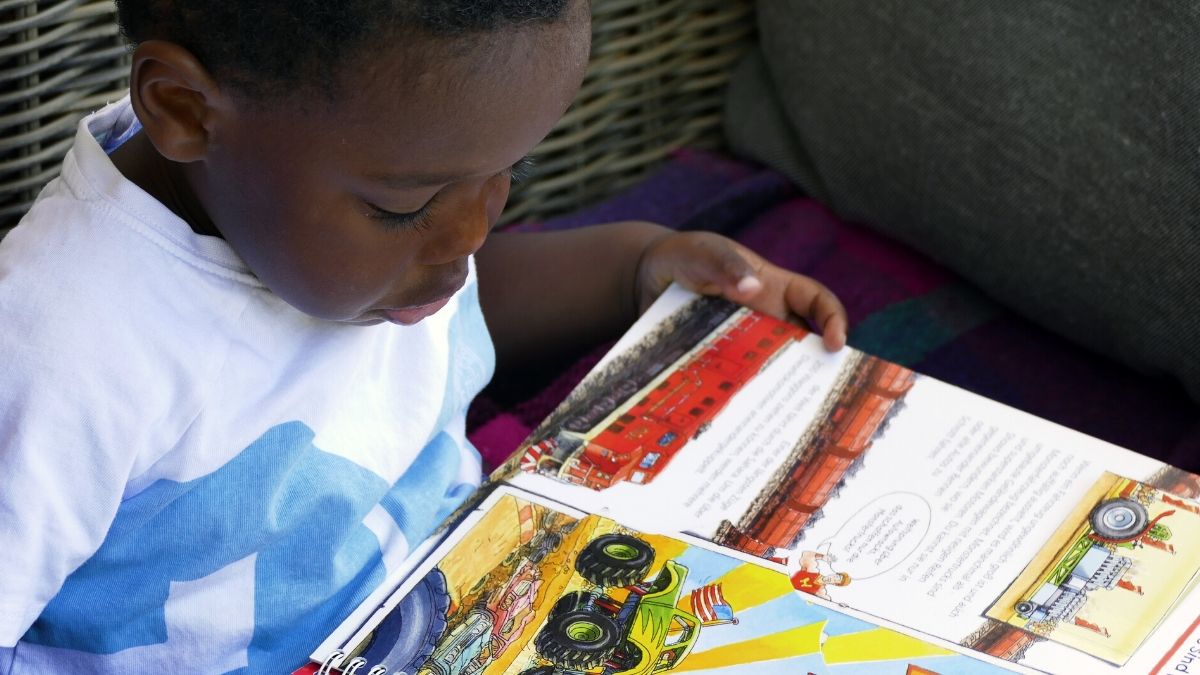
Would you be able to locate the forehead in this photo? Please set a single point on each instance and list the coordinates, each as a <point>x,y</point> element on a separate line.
<point>461,106</point>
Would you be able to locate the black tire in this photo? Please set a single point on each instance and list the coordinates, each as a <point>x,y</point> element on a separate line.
<point>615,560</point>
<point>546,545</point>
<point>580,638</point>
<point>1119,519</point>
<point>1025,609</point>
<point>571,602</point>
<point>539,670</point>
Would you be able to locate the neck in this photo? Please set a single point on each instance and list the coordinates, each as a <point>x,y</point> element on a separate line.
<point>139,161</point>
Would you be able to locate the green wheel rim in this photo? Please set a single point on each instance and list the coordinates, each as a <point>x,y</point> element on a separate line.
<point>621,551</point>
<point>584,631</point>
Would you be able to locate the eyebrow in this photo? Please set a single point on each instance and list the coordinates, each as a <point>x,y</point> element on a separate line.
<point>417,180</point>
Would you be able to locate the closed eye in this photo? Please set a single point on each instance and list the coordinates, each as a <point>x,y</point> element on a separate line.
<point>418,219</point>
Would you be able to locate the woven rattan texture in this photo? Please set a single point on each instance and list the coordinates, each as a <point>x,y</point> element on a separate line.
<point>654,84</point>
<point>58,60</point>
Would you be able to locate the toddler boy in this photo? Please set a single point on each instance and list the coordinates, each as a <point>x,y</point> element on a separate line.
<point>242,329</point>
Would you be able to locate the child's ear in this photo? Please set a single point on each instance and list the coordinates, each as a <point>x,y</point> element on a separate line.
<point>176,99</point>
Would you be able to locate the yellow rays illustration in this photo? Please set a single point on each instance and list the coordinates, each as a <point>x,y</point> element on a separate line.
<point>665,548</point>
<point>877,644</point>
<point>782,645</point>
<point>747,586</point>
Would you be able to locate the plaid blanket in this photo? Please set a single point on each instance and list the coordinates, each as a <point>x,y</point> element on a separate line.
<point>902,307</point>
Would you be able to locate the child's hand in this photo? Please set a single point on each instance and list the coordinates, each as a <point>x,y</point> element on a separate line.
<point>710,264</point>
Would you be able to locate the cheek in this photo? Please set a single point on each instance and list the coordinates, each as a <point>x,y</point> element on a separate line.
<point>497,198</point>
<point>298,231</point>
<point>340,272</point>
<point>316,251</point>
<point>460,222</point>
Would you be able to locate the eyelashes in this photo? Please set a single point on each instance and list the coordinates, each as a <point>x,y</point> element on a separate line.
<point>417,220</point>
<point>522,170</point>
<point>420,220</point>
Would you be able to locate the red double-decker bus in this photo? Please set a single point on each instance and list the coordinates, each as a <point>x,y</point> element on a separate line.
<point>641,440</point>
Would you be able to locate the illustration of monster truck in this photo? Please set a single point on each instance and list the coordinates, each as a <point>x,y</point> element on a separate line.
<point>1089,564</point>
<point>591,633</point>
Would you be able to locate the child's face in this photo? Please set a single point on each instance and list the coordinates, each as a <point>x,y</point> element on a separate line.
<point>303,194</point>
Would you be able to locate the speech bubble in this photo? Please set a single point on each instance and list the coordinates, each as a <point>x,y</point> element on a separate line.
<point>878,536</point>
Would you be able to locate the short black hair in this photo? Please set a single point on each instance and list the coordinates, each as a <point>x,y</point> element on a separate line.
<point>268,47</point>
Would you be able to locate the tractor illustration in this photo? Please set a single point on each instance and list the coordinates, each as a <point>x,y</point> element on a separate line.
<point>1091,563</point>
<point>589,632</point>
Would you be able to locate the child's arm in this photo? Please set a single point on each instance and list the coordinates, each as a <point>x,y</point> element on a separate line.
<point>548,293</point>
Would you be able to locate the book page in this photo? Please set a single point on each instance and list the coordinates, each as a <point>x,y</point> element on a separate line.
<point>528,586</point>
<point>887,491</point>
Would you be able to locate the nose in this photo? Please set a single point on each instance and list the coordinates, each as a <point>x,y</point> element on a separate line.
<point>470,214</point>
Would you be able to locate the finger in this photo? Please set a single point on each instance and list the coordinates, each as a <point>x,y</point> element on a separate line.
<point>728,270</point>
<point>820,308</point>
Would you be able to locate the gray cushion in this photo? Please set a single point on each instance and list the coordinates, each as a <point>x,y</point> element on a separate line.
<point>1048,151</point>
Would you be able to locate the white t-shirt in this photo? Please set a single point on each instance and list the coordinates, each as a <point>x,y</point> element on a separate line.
<point>194,476</point>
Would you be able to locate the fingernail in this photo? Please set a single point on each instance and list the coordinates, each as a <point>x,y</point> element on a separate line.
<point>749,284</point>
<point>840,338</point>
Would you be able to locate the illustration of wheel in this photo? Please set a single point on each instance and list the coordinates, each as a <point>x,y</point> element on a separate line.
<point>539,670</point>
<point>580,638</point>
<point>545,544</point>
<point>1119,519</point>
<point>1025,609</point>
<point>407,637</point>
<point>615,560</point>
<point>571,602</point>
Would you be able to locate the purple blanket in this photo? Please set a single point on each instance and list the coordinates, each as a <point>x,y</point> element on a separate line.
<point>902,307</point>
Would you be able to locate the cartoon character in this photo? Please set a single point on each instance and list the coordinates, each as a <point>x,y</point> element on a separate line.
<point>1155,537</point>
<point>810,579</point>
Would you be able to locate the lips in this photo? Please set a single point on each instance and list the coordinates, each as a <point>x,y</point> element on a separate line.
<point>408,316</point>
<point>436,296</point>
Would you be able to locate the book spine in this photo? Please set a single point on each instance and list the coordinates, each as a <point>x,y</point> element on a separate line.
<point>333,664</point>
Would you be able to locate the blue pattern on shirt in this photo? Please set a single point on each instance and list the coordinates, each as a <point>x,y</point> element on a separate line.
<point>299,508</point>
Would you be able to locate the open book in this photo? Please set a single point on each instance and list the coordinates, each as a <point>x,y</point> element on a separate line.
<point>721,495</point>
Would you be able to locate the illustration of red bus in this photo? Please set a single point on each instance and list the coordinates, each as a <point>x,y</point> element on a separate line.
<point>641,440</point>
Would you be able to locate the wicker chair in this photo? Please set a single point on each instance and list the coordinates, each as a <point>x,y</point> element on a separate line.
<point>58,61</point>
<point>654,84</point>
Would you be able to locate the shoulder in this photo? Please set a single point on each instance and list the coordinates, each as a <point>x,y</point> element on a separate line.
<point>114,312</point>
<point>80,281</point>
<point>97,264</point>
